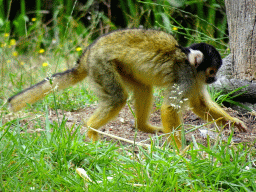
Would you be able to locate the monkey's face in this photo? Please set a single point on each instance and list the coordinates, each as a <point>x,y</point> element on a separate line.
<point>206,59</point>
<point>210,75</point>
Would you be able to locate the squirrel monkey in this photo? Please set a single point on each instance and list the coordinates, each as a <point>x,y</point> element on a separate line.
<point>137,60</point>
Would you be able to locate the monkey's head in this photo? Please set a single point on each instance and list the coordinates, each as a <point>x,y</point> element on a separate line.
<point>205,58</point>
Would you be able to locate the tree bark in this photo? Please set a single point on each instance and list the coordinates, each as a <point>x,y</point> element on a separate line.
<point>227,83</point>
<point>241,16</point>
<point>239,68</point>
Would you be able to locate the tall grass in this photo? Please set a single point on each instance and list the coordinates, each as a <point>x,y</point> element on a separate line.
<point>194,20</point>
<point>189,21</point>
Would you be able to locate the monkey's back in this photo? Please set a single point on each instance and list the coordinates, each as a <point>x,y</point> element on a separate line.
<point>147,56</point>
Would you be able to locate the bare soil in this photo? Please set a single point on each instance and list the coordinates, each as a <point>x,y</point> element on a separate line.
<point>123,125</point>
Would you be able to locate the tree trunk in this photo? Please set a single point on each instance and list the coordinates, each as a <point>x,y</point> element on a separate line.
<point>241,15</point>
<point>227,83</point>
<point>239,68</point>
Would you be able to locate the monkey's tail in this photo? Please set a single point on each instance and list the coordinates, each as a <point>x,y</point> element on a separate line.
<point>41,89</point>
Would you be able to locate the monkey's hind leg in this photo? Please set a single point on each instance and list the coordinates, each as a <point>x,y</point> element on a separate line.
<point>102,116</point>
<point>113,96</point>
<point>143,105</point>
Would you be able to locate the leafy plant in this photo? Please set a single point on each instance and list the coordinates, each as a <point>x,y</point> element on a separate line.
<point>229,97</point>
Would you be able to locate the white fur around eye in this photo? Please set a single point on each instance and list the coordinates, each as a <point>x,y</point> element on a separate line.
<point>195,57</point>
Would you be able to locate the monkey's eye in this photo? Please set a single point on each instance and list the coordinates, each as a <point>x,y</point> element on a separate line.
<point>211,71</point>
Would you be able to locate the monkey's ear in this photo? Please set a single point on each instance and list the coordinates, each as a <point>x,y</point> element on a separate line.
<point>195,57</point>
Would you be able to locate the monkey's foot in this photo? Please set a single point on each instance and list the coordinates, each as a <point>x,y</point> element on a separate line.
<point>93,135</point>
<point>240,125</point>
<point>149,128</point>
<point>175,141</point>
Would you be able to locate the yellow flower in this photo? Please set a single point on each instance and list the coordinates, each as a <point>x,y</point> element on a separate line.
<point>41,51</point>
<point>12,42</point>
<point>15,53</point>
<point>175,28</point>
<point>8,61</point>
<point>45,64</point>
<point>6,34</point>
<point>78,49</point>
<point>3,44</point>
<point>33,19</point>
<point>22,63</point>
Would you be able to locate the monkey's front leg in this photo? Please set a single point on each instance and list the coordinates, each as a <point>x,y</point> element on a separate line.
<point>217,111</point>
<point>175,100</point>
<point>203,106</point>
<point>171,120</point>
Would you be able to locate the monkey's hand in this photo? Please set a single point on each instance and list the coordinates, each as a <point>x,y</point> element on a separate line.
<point>240,125</point>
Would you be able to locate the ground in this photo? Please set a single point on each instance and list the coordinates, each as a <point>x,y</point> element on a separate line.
<point>123,126</point>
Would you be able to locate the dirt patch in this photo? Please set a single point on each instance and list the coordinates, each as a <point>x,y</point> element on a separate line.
<point>123,125</point>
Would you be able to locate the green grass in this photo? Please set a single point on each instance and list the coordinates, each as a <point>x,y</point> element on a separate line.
<point>221,98</point>
<point>46,160</point>
<point>70,99</point>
